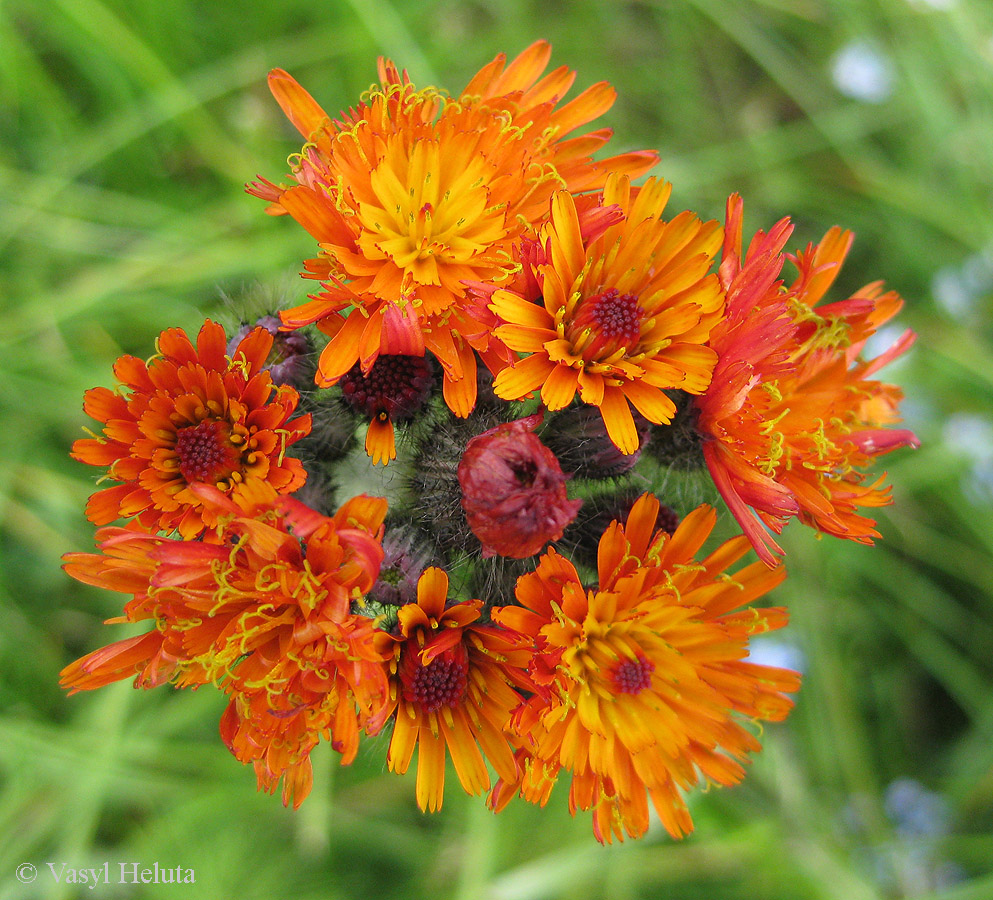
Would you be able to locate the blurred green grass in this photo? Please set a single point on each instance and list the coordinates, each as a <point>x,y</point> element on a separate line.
<point>128,130</point>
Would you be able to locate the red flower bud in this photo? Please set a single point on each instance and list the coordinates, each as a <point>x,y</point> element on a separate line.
<point>513,490</point>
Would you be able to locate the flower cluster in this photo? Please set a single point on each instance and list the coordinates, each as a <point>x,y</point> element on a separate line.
<point>538,348</point>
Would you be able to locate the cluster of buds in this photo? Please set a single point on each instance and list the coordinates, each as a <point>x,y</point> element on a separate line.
<point>537,351</point>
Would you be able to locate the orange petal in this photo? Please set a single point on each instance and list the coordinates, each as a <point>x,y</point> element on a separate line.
<point>484,80</point>
<point>133,372</point>
<point>103,404</point>
<point>432,591</point>
<point>401,333</point>
<point>591,387</point>
<point>515,309</point>
<point>652,403</point>
<point>689,536</point>
<point>310,312</point>
<point>254,349</point>
<point>174,344</point>
<point>731,255</point>
<point>212,346</point>
<point>315,212</point>
<point>460,394</point>
<point>370,341</point>
<point>97,452</point>
<point>826,263</point>
<point>362,511</point>
<point>524,338</point>
<point>105,506</point>
<point>469,764</point>
<point>523,377</point>
<point>560,387</point>
<point>618,420</point>
<point>639,528</point>
<point>111,663</point>
<point>590,104</point>
<point>430,787</point>
<point>568,254</point>
<point>403,742</point>
<point>526,68</point>
<point>379,442</point>
<point>300,108</point>
<point>342,351</point>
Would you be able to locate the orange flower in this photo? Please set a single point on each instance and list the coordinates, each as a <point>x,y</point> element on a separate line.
<point>190,415</point>
<point>645,678</point>
<point>626,308</point>
<point>754,342</point>
<point>264,609</point>
<point>412,194</point>
<point>792,415</point>
<point>450,685</point>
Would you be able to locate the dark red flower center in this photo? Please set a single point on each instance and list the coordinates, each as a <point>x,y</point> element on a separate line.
<point>632,676</point>
<point>617,315</point>
<point>396,385</point>
<point>204,451</point>
<point>442,682</point>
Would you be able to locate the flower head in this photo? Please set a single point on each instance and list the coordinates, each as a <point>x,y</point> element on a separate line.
<point>792,416</point>
<point>191,415</point>
<point>644,676</point>
<point>394,389</point>
<point>411,194</point>
<point>513,490</point>
<point>265,610</point>
<point>452,687</point>
<point>624,308</point>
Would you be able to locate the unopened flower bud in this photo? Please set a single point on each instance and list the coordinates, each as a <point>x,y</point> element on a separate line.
<point>513,490</point>
<point>582,537</point>
<point>291,358</point>
<point>406,554</point>
<point>578,438</point>
<point>679,444</point>
<point>434,478</point>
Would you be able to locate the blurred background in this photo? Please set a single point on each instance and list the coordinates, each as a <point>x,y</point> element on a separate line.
<point>127,130</point>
